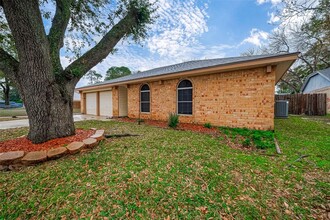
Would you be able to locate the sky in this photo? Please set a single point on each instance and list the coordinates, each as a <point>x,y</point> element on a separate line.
<point>193,30</point>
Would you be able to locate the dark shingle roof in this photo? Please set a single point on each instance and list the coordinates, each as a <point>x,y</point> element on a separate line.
<point>190,65</point>
<point>325,73</point>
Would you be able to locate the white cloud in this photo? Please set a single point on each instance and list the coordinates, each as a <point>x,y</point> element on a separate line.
<point>257,37</point>
<point>128,56</point>
<point>273,2</point>
<point>177,28</point>
<point>273,18</point>
<point>174,38</point>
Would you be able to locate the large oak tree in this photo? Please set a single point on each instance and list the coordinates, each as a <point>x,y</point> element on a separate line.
<point>44,85</point>
<point>303,26</point>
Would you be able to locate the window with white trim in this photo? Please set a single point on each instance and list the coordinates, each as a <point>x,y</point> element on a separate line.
<point>145,98</point>
<point>185,91</point>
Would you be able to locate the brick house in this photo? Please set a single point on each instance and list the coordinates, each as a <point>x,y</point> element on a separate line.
<point>234,92</point>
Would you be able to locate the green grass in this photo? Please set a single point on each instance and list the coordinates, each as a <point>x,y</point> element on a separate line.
<point>180,174</point>
<point>208,125</point>
<point>76,111</point>
<point>12,112</point>
<point>21,112</point>
<point>257,138</point>
<point>11,119</point>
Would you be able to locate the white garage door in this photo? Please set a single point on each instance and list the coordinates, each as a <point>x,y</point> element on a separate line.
<point>91,103</point>
<point>106,103</point>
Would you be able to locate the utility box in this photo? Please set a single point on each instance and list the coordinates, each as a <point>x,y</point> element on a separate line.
<point>281,109</point>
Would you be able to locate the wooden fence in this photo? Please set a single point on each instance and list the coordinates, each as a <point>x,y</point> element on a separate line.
<point>309,104</point>
<point>76,104</point>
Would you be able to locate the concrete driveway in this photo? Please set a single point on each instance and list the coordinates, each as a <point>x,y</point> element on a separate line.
<point>25,122</point>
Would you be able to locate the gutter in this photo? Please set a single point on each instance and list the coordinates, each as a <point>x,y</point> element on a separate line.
<point>202,71</point>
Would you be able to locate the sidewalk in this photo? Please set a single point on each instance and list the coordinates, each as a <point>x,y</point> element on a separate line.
<point>25,122</point>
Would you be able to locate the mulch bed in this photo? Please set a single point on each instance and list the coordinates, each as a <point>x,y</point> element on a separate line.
<point>181,126</point>
<point>23,144</point>
<point>195,128</point>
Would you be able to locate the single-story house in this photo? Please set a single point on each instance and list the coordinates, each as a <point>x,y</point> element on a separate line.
<point>234,92</point>
<point>318,82</point>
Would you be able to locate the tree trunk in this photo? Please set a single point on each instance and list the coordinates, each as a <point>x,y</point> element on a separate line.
<point>6,93</point>
<point>50,113</point>
<point>6,89</point>
<point>46,89</point>
<point>47,96</point>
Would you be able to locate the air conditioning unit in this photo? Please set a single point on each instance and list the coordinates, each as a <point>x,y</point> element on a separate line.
<point>281,109</point>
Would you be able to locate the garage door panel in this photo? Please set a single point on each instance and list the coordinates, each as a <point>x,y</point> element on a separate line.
<point>91,103</point>
<point>106,103</point>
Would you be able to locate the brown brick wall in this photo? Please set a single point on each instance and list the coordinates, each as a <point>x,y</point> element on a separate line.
<point>115,101</point>
<point>243,98</point>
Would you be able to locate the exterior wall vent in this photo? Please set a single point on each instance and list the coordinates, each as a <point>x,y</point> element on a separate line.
<point>281,109</point>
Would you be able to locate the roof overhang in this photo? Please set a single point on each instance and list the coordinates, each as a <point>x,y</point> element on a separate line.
<point>282,63</point>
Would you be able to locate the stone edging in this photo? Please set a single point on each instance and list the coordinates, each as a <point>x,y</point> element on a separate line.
<point>15,159</point>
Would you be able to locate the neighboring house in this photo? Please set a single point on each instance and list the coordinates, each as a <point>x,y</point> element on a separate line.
<point>318,82</point>
<point>234,92</point>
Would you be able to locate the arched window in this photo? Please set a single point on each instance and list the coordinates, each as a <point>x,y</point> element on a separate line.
<point>185,97</point>
<point>145,98</point>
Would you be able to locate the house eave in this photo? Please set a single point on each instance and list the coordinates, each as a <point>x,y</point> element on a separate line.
<point>282,63</point>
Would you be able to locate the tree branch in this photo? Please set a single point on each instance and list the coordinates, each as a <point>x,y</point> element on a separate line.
<point>57,31</point>
<point>101,50</point>
<point>3,87</point>
<point>8,65</point>
<point>307,63</point>
<point>289,84</point>
<point>326,62</point>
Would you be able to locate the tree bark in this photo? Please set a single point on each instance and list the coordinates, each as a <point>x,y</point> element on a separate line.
<point>48,100</point>
<point>46,89</point>
<point>50,113</point>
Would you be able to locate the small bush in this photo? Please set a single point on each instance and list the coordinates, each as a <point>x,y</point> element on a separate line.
<point>173,120</point>
<point>207,125</point>
<point>139,121</point>
<point>258,138</point>
<point>246,142</point>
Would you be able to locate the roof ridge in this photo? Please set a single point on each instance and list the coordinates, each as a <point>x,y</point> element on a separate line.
<point>187,66</point>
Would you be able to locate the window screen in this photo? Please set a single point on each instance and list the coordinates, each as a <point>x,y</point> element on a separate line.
<point>185,97</point>
<point>145,98</point>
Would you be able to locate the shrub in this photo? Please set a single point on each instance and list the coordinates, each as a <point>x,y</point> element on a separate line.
<point>139,120</point>
<point>258,138</point>
<point>207,125</point>
<point>173,120</point>
<point>246,142</point>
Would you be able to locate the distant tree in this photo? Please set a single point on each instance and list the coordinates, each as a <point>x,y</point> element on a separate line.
<point>93,77</point>
<point>8,91</point>
<point>116,72</point>
<point>14,95</point>
<point>5,87</point>
<point>311,38</point>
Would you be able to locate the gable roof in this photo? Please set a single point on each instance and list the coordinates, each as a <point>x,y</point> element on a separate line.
<point>189,66</point>
<point>325,73</point>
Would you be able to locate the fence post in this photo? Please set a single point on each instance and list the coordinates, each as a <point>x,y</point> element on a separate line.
<point>309,104</point>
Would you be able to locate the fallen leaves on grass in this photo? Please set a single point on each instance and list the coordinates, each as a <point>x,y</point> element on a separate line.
<point>182,126</point>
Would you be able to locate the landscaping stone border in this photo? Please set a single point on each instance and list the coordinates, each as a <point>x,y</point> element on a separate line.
<point>16,159</point>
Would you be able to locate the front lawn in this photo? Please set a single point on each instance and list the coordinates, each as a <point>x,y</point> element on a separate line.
<point>169,174</point>
<point>12,112</point>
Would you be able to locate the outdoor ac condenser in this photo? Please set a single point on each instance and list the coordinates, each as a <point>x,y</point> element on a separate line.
<point>281,109</point>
